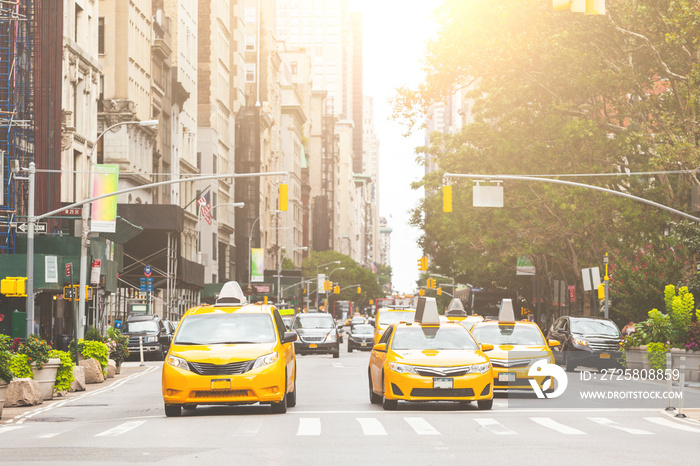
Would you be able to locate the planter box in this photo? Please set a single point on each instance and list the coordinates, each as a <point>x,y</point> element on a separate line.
<point>3,387</point>
<point>636,358</point>
<point>692,363</point>
<point>47,377</point>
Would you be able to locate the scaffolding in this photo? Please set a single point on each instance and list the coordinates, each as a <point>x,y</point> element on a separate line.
<point>16,111</point>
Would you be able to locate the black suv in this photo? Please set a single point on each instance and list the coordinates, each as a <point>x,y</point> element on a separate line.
<point>155,334</point>
<point>586,341</point>
<point>318,333</point>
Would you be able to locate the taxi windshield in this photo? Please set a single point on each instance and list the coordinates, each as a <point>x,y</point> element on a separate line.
<point>436,338</point>
<point>226,329</point>
<point>387,318</point>
<point>317,321</point>
<point>508,335</point>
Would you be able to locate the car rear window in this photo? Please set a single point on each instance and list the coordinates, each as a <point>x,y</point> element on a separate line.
<point>317,321</point>
<point>236,328</point>
<point>141,326</point>
<point>393,317</point>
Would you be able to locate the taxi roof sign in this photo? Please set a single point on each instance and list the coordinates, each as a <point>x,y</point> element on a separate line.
<point>506,313</point>
<point>231,293</point>
<point>427,311</point>
<point>456,309</point>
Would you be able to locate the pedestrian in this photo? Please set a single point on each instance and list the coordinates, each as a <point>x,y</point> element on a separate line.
<point>628,329</point>
<point>36,327</point>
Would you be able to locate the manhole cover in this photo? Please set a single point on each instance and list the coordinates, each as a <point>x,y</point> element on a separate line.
<point>50,419</point>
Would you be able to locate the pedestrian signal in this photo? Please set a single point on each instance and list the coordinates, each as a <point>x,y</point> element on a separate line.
<point>14,286</point>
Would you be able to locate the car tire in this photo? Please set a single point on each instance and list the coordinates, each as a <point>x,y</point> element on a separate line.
<point>485,404</point>
<point>173,410</point>
<point>160,355</point>
<point>281,406</point>
<point>336,353</point>
<point>373,397</point>
<point>349,348</point>
<point>292,396</point>
<point>570,365</point>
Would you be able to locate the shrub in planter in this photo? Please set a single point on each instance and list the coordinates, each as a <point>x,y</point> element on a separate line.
<point>20,366</point>
<point>36,349</point>
<point>5,359</point>
<point>118,345</point>
<point>692,339</point>
<point>93,334</point>
<point>64,375</point>
<point>656,355</point>
<point>94,349</point>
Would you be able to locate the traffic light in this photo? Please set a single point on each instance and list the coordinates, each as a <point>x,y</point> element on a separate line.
<point>283,197</point>
<point>423,263</point>
<point>371,302</point>
<point>439,291</point>
<point>447,198</point>
<point>73,293</point>
<point>591,7</point>
<point>430,283</point>
<point>336,290</point>
<point>14,286</point>
<point>601,291</point>
<point>327,285</point>
<point>359,289</point>
<point>421,292</point>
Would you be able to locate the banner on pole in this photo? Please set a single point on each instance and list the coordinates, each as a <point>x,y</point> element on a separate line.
<point>257,265</point>
<point>524,266</point>
<point>104,211</point>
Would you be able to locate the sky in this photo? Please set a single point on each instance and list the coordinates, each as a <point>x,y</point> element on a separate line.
<point>395,33</point>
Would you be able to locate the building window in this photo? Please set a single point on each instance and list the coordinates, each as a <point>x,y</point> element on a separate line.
<point>250,72</point>
<point>101,35</point>
<point>250,13</point>
<point>199,161</point>
<point>215,202</point>
<point>213,246</point>
<point>294,68</point>
<point>250,42</point>
<point>214,164</point>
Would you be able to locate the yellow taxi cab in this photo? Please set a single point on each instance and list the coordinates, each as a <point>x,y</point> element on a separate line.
<point>391,315</point>
<point>231,353</point>
<point>455,311</point>
<point>517,346</point>
<point>429,360</point>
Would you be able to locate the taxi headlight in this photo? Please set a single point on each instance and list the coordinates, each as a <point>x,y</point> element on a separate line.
<point>265,360</point>
<point>177,362</point>
<point>480,368</point>
<point>402,368</point>
<point>331,337</point>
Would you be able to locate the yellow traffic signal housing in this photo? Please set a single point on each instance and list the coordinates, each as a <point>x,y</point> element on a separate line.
<point>447,198</point>
<point>421,292</point>
<point>283,197</point>
<point>423,263</point>
<point>591,7</point>
<point>14,286</point>
<point>359,289</point>
<point>371,302</point>
<point>73,294</point>
<point>601,291</point>
<point>439,291</point>
<point>336,290</point>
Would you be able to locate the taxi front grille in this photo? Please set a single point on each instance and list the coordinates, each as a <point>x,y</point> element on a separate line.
<point>219,393</point>
<point>442,371</point>
<point>205,368</point>
<point>442,392</point>
<point>511,362</point>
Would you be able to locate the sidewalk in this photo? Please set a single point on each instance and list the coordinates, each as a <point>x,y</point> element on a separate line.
<point>127,369</point>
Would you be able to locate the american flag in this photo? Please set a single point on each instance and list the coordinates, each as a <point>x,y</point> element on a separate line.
<point>205,207</point>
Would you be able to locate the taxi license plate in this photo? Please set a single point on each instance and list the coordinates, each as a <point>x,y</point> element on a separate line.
<point>313,345</point>
<point>220,384</point>
<point>363,344</point>
<point>506,377</point>
<point>442,382</point>
<point>604,356</point>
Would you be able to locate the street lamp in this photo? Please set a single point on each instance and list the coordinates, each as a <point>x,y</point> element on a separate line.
<point>279,269</point>
<point>86,227</point>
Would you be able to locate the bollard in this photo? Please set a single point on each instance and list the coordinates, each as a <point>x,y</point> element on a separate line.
<point>141,350</point>
<point>681,386</point>
<point>669,381</point>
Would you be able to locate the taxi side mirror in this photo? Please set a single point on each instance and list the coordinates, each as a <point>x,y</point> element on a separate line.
<point>289,337</point>
<point>553,342</point>
<point>486,346</point>
<point>381,347</point>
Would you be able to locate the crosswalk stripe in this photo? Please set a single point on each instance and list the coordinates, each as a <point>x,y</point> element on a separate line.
<point>494,426</point>
<point>669,423</point>
<point>9,428</point>
<point>610,423</point>
<point>371,426</point>
<point>51,435</point>
<point>248,428</point>
<point>309,426</point>
<point>554,425</point>
<point>421,426</point>
<point>120,429</point>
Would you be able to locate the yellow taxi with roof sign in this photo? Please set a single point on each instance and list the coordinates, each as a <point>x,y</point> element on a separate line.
<point>429,360</point>
<point>455,311</point>
<point>391,315</point>
<point>517,346</point>
<point>232,353</point>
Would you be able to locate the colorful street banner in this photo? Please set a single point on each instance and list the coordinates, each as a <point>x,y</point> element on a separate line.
<point>104,211</point>
<point>257,265</point>
<point>525,266</point>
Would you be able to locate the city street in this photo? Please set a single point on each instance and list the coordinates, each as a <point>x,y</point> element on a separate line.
<point>335,423</point>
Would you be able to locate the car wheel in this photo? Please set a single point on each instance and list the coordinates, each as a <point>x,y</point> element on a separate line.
<point>373,397</point>
<point>570,364</point>
<point>160,355</point>
<point>281,406</point>
<point>349,348</point>
<point>292,396</point>
<point>485,404</point>
<point>173,410</point>
<point>390,405</point>
<point>336,354</point>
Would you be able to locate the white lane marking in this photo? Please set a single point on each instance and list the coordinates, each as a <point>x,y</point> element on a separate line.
<point>249,428</point>
<point>338,364</point>
<point>604,421</point>
<point>421,426</point>
<point>554,425</point>
<point>668,423</point>
<point>50,435</point>
<point>309,426</point>
<point>494,426</point>
<point>460,412</point>
<point>371,426</point>
<point>9,428</point>
<point>120,429</point>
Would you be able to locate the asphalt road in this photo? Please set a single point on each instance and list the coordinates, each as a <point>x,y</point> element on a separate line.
<point>335,423</point>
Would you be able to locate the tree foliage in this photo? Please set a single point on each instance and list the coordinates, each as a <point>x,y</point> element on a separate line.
<point>554,93</point>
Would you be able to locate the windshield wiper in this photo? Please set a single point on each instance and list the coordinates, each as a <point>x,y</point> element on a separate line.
<point>234,342</point>
<point>187,343</point>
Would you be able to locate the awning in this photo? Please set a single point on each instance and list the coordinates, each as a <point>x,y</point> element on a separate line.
<point>124,231</point>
